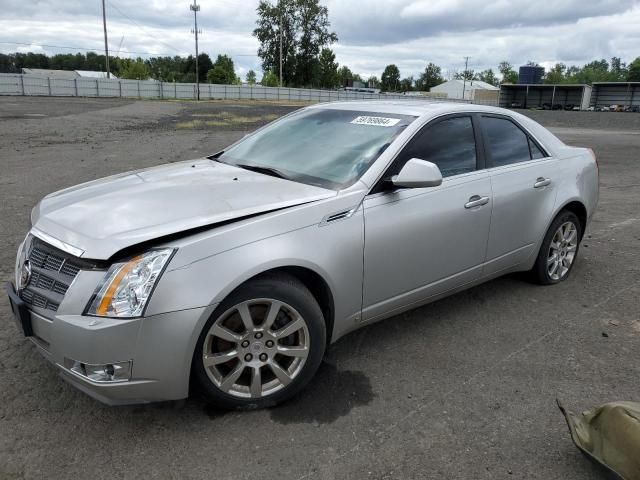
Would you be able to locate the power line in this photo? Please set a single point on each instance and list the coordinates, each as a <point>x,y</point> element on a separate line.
<point>80,48</point>
<point>134,22</point>
<point>66,47</point>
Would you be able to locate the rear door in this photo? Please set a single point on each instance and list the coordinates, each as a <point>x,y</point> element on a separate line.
<point>420,242</point>
<point>524,192</point>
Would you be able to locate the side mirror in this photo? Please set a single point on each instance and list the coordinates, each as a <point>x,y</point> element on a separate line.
<point>418,173</point>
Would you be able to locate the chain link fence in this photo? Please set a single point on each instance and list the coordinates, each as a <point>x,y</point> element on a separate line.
<point>33,85</point>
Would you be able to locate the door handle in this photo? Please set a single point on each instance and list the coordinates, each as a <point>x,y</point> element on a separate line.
<point>542,182</point>
<point>476,201</point>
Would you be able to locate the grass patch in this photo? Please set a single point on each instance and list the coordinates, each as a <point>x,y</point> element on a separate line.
<point>224,119</point>
<point>191,124</point>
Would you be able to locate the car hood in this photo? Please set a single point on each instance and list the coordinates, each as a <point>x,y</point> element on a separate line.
<point>105,216</point>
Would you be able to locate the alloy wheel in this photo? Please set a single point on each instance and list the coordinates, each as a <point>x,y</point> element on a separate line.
<point>562,251</point>
<point>256,348</point>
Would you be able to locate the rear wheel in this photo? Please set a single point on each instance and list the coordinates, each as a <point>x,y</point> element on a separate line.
<point>559,250</point>
<point>262,344</point>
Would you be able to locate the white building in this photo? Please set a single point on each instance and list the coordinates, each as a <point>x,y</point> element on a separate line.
<point>454,88</point>
<point>67,74</point>
<point>93,74</point>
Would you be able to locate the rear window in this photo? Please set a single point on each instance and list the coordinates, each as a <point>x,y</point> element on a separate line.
<point>508,144</point>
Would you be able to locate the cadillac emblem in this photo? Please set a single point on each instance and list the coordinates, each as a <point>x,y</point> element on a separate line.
<point>25,275</point>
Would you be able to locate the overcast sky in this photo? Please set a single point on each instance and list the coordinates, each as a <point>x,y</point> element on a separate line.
<point>372,33</point>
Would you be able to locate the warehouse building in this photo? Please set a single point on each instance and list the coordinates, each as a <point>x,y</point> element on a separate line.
<point>557,97</point>
<point>606,94</point>
<point>459,89</point>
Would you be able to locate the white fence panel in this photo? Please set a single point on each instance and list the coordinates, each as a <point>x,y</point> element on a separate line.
<point>63,87</point>
<point>185,91</point>
<point>218,91</point>
<point>149,89</point>
<point>10,84</point>
<point>16,84</point>
<point>129,88</point>
<point>36,85</point>
<point>108,87</point>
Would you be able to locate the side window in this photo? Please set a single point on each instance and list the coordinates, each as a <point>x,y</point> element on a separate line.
<point>449,143</point>
<point>535,151</point>
<point>507,143</point>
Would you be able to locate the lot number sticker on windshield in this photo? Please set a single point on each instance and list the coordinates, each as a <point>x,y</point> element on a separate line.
<point>376,121</point>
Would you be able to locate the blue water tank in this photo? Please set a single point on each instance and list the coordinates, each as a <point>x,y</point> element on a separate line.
<point>530,74</point>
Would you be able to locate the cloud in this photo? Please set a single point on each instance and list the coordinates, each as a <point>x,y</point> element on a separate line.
<point>404,20</point>
<point>372,33</point>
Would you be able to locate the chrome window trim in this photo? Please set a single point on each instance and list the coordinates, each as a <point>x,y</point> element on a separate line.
<point>524,163</point>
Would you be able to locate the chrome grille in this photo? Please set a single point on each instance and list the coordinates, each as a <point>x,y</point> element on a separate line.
<point>52,272</point>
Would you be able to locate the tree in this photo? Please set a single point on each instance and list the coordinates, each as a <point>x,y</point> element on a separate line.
<point>509,75</point>
<point>556,74</point>
<point>619,70</point>
<point>313,25</point>
<point>406,84</point>
<point>465,75</point>
<point>345,75</point>
<point>390,78</point>
<point>633,72</point>
<point>134,69</point>
<point>431,77</point>
<point>373,82</point>
<point>220,76</point>
<point>328,69</point>
<point>251,77</point>
<point>305,31</point>
<point>223,71</point>
<point>488,76</point>
<point>596,71</point>
<point>269,79</point>
<point>204,65</point>
<point>276,24</point>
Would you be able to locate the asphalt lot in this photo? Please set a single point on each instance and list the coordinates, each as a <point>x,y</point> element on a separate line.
<point>463,388</point>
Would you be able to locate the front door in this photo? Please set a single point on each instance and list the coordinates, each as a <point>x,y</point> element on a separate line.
<point>425,241</point>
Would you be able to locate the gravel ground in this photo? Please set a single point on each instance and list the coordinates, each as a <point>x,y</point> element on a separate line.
<point>462,388</point>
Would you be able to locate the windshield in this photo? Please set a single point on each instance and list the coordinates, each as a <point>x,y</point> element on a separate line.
<point>329,148</point>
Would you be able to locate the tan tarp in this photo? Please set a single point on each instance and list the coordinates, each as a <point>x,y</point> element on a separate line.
<point>610,435</point>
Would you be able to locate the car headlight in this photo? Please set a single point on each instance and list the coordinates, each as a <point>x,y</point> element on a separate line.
<point>127,286</point>
<point>21,259</point>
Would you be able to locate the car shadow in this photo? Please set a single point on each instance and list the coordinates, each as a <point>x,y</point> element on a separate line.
<point>331,394</point>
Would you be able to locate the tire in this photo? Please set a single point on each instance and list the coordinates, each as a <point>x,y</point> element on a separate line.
<point>268,354</point>
<point>566,253</point>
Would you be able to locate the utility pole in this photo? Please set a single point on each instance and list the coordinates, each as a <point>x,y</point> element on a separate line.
<point>195,8</point>
<point>106,42</point>
<point>464,75</point>
<point>281,33</point>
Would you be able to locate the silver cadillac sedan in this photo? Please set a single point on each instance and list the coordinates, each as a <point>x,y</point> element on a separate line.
<point>236,271</point>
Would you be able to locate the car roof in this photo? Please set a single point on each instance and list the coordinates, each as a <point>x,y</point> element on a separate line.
<point>416,108</point>
<point>426,110</point>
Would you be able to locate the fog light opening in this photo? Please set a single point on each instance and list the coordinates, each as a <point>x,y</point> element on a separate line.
<point>106,372</point>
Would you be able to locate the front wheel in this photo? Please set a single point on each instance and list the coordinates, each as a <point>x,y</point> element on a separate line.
<point>559,250</point>
<point>262,345</point>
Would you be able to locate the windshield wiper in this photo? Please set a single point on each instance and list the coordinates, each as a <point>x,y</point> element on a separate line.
<point>265,170</point>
